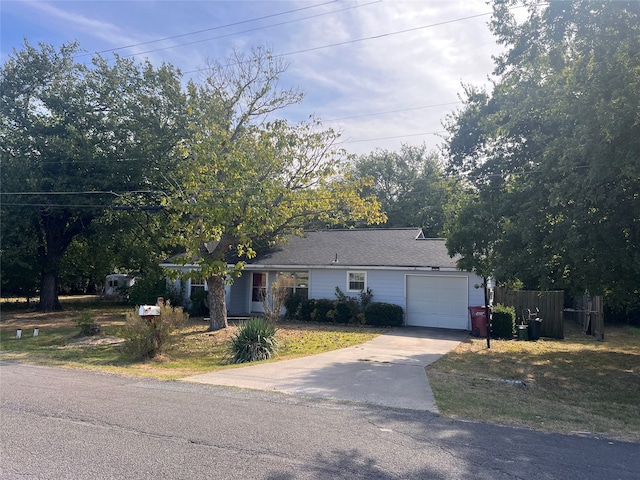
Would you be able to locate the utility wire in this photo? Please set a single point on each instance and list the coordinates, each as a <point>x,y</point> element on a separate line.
<point>391,111</point>
<point>397,136</point>
<point>88,192</point>
<point>358,40</point>
<point>249,30</point>
<point>207,29</point>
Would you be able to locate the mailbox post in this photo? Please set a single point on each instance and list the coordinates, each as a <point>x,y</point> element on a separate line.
<point>151,313</point>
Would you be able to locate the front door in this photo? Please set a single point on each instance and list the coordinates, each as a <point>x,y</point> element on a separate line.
<point>258,291</point>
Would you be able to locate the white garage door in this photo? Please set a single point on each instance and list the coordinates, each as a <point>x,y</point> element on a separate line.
<point>437,301</point>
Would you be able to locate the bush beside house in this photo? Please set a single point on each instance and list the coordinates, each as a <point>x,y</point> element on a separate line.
<point>344,310</point>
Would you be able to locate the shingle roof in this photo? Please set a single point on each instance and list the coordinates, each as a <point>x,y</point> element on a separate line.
<point>404,247</point>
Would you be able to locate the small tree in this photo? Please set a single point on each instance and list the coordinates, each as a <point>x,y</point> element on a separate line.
<point>273,302</point>
<point>246,178</point>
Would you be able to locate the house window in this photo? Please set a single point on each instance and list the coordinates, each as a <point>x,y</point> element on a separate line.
<point>197,285</point>
<point>356,281</point>
<point>297,283</point>
<point>259,287</point>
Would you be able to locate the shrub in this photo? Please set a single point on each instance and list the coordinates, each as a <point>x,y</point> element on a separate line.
<point>348,309</point>
<point>345,312</point>
<point>320,312</point>
<point>146,339</point>
<point>199,304</point>
<point>365,299</point>
<point>87,325</point>
<point>307,307</point>
<point>383,314</point>
<point>503,323</point>
<point>292,305</point>
<point>255,340</point>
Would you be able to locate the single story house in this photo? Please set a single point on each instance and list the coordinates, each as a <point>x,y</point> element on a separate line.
<point>399,265</point>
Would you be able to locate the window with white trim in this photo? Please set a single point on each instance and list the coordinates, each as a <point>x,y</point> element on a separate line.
<point>356,281</point>
<point>297,283</point>
<point>196,284</point>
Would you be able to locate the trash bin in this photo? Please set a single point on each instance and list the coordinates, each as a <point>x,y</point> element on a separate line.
<point>535,328</point>
<point>523,332</point>
<point>478,321</point>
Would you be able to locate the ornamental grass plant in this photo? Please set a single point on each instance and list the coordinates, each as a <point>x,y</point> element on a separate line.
<point>254,341</point>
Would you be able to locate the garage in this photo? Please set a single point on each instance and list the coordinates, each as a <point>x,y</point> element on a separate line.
<point>439,301</point>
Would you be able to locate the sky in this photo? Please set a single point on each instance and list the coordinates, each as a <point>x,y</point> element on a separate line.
<point>383,73</point>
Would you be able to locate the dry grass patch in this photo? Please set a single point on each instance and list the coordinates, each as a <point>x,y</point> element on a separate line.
<point>572,385</point>
<point>195,350</point>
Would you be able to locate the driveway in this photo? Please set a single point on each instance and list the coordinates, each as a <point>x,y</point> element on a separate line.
<point>388,370</point>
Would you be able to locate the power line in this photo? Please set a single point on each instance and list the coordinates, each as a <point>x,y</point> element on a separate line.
<point>249,30</point>
<point>373,37</point>
<point>391,111</point>
<point>397,136</point>
<point>87,192</point>
<point>209,29</point>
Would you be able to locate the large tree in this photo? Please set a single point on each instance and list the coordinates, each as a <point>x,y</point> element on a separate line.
<point>553,151</point>
<point>249,177</point>
<point>77,139</point>
<point>410,185</point>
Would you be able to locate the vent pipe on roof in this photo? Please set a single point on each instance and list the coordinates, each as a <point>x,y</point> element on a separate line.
<point>336,259</point>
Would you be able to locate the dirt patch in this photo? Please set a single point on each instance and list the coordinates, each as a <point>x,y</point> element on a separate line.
<point>95,341</point>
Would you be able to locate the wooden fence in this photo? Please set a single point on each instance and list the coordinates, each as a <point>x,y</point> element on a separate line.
<point>589,313</point>
<point>549,303</point>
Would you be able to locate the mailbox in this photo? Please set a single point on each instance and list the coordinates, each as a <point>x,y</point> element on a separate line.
<point>149,312</point>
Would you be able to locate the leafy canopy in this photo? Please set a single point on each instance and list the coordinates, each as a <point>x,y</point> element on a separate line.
<point>553,152</point>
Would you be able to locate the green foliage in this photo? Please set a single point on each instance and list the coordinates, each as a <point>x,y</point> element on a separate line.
<point>199,304</point>
<point>381,314</point>
<point>87,325</point>
<point>551,154</point>
<point>344,309</point>
<point>321,310</point>
<point>70,127</point>
<point>150,286</point>
<point>292,305</point>
<point>250,180</point>
<point>503,321</point>
<point>366,297</point>
<point>145,338</point>
<point>307,307</point>
<point>255,340</point>
<point>409,185</point>
<point>348,309</point>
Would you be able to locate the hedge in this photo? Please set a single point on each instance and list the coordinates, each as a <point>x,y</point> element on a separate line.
<point>383,315</point>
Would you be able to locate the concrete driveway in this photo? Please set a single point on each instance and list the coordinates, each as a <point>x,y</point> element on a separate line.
<point>388,370</point>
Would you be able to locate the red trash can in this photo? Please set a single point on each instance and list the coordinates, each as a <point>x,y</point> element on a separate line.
<point>478,321</point>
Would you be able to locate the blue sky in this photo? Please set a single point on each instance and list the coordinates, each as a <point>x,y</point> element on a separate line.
<point>381,72</point>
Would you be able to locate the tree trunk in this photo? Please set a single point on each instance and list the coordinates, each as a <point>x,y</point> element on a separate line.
<point>217,303</point>
<point>49,292</point>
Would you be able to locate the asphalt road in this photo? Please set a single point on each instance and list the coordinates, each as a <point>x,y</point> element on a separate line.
<point>69,424</point>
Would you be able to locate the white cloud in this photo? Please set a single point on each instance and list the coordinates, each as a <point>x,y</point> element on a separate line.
<point>396,71</point>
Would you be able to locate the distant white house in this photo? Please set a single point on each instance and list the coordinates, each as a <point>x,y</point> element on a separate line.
<point>114,282</point>
<point>400,266</point>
